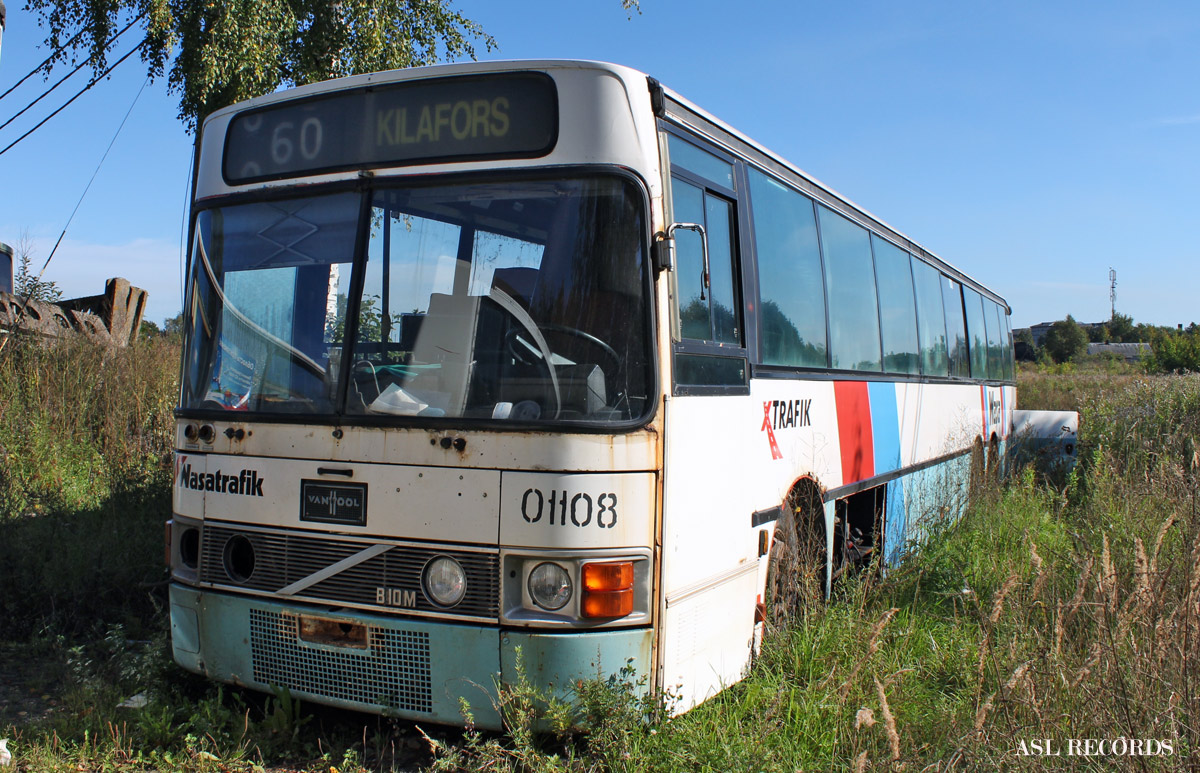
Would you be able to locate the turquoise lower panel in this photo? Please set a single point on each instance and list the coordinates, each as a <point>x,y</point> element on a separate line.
<point>401,667</point>
<point>406,668</point>
<point>923,503</point>
<point>555,661</point>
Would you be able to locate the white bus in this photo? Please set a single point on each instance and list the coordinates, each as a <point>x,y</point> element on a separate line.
<point>538,360</point>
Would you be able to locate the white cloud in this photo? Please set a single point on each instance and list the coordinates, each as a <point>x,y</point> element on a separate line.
<point>81,268</point>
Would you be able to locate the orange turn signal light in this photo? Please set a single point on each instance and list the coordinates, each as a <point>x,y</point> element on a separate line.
<point>609,603</point>
<point>614,575</point>
<point>607,589</point>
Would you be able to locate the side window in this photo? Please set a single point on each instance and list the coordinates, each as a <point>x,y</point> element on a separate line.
<point>897,307</point>
<point>705,314</point>
<point>791,289</point>
<point>931,319</point>
<point>976,332</point>
<point>1010,366</point>
<point>995,335</point>
<point>850,285</point>
<point>956,328</point>
<point>710,318</point>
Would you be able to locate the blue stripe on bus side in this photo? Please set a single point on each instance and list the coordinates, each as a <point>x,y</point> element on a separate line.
<point>895,523</point>
<point>885,424</point>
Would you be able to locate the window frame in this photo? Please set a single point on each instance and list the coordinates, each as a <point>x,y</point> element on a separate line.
<point>741,275</point>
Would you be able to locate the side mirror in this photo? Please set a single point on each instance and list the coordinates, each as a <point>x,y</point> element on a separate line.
<point>664,251</point>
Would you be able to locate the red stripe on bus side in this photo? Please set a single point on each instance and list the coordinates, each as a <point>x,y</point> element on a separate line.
<point>983,408</point>
<point>854,430</point>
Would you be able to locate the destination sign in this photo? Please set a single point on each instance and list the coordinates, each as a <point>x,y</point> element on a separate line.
<point>503,115</point>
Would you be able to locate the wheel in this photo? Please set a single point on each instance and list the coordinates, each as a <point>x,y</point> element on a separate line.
<point>978,474</point>
<point>798,561</point>
<point>993,460</point>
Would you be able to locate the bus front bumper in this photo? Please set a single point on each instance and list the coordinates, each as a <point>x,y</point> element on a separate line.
<point>413,669</point>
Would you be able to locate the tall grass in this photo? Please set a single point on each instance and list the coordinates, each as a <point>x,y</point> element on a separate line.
<point>85,439</point>
<point>1044,616</point>
<point>80,420</point>
<point>1042,623</point>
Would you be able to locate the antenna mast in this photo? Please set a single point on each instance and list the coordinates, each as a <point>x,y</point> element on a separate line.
<point>1112,292</point>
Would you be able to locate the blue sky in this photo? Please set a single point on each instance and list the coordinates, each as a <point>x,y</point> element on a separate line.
<point>1031,144</point>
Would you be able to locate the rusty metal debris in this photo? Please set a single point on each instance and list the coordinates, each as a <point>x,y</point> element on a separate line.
<point>111,319</point>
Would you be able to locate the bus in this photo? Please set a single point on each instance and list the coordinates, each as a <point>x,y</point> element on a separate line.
<point>537,365</point>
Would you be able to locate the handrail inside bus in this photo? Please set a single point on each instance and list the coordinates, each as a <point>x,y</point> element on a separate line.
<point>509,304</point>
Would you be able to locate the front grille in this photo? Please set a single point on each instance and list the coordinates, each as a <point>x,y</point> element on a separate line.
<point>284,558</point>
<point>392,672</point>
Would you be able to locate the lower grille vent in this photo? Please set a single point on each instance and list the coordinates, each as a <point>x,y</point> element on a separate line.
<point>393,670</point>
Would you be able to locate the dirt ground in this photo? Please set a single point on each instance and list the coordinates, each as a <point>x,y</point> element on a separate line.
<point>27,686</point>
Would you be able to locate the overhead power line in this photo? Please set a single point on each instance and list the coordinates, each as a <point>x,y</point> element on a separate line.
<point>48,60</point>
<point>88,187</point>
<point>63,79</point>
<point>78,94</point>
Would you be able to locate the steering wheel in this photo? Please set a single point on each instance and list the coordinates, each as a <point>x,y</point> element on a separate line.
<point>525,352</point>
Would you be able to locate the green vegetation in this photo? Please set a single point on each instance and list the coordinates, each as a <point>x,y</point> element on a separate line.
<point>28,285</point>
<point>1058,612</point>
<point>1172,349</point>
<point>215,54</point>
<point>1065,340</point>
<point>1175,351</point>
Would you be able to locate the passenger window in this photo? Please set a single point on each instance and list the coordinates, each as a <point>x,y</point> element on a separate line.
<point>850,284</point>
<point>995,334</point>
<point>791,288</point>
<point>931,319</point>
<point>956,328</point>
<point>1010,370</point>
<point>897,308</point>
<point>976,332</point>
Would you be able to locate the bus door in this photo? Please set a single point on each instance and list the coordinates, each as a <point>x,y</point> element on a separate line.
<point>709,553</point>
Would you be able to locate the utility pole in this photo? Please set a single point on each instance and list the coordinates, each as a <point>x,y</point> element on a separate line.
<point>3,20</point>
<point>1112,288</point>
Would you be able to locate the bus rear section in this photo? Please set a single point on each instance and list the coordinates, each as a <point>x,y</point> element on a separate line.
<point>419,444</point>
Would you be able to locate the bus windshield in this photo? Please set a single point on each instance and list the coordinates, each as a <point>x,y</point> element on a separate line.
<point>508,301</point>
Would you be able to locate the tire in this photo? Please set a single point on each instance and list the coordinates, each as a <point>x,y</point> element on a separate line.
<point>797,568</point>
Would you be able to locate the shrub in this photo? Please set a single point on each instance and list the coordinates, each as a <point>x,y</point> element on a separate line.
<point>1065,339</point>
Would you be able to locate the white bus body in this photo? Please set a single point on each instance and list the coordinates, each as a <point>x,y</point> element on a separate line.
<point>322,482</point>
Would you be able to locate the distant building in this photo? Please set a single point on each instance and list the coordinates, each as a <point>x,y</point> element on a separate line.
<point>1039,330</point>
<point>1127,352</point>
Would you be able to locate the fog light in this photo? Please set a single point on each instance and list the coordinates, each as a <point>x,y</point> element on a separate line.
<point>445,581</point>
<point>239,559</point>
<point>550,586</point>
<point>189,548</point>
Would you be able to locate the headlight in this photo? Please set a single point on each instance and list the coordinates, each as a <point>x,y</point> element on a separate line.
<point>550,586</point>
<point>445,582</point>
